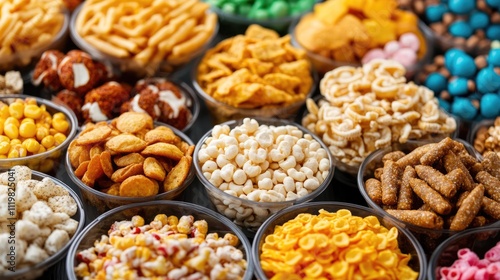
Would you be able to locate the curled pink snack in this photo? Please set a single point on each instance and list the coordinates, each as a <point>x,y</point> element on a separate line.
<point>481,274</point>
<point>467,255</point>
<point>493,255</point>
<point>493,268</point>
<point>469,273</point>
<point>410,40</point>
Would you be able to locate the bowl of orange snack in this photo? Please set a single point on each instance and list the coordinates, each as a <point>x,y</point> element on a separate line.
<point>144,37</point>
<point>173,240</point>
<point>258,74</point>
<point>436,189</point>
<point>339,33</point>
<point>129,159</point>
<point>34,132</point>
<point>28,28</point>
<point>335,240</point>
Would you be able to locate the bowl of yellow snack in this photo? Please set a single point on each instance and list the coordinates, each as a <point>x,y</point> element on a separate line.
<point>39,226</point>
<point>144,38</point>
<point>339,33</point>
<point>129,159</point>
<point>26,35</point>
<point>435,189</point>
<point>173,239</point>
<point>35,132</point>
<point>265,165</point>
<point>258,74</point>
<point>335,240</point>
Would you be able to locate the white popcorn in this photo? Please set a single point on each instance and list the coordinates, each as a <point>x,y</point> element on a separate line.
<point>56,240</point>
<point>63,204</point>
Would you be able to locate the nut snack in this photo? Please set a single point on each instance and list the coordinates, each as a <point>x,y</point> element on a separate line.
<point>11,83</point>
<point>168,247</point>
<point>487,136</point>
<point>368,108</point>
<point>130,157</point>
<point>255,71</point>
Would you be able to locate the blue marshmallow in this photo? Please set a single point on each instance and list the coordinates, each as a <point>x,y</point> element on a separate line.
<point>450,56</point>
<point>494,57</point>
<point>436,82</point>
<point>435,13</point>
<point>493,3</point>
<point>487,80</point>
<point>464,66</point>
<point>458,87</point>
<point>493,32</point>
<point>462,7</point>
<point>460,28</point>
<point>490,105</point>
<point>478,20</point>
<point>463,108</point>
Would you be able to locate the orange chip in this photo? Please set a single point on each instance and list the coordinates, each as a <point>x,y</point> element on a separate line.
<point>128,159</point>
<point>96,150</point>
<point>81,169</point>
<point>126,143</point>
<point>164,150</point>
<point>133,122</point>
<point>176,177</point>
<point>153,169</point>
<point>97,134</point>
<point>161,134</point>
<point>138,186</point>
<point>123,173</point>
<point>267,50</point>
<point>94,171</point>
<point>258,32</point>
<point>107,165</point>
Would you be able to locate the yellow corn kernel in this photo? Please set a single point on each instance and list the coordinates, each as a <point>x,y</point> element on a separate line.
<point>25,120</point>
<point>32,111</point>
<point>41,132</point>
<point>16,110</point>
<point>11,131</point>
<point>143,253</point>
<point>4,138</point>
<point>15,142</point>
<point>4,112</point>
<point>121,243</point>
<point>60,125</point>
<point>13,153</point>
<point>96,265</point>
<point>11,120</point>
<point>19,147</point>
<point>173,221</point>
<point>137,221</point>
<point>41,149</point>
<point>53,131</point>
<point>3,156</point>
<point>59,138</point>
<point>48,141</point>
<point>161,218</point>
<point>4,148</point>
<point>59,116</point>
<point>31,145</point>
<point>233,239</point>
<point>46,117</point>
<point>201,227</point>
<point>1,126</point>
<point>27,130</point>
<point>30,101</point>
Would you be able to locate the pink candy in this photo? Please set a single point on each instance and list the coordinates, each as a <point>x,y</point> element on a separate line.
<point>403,51</point>
<point>410,40</point>
<point>373,54</point>
<point>469,266</point>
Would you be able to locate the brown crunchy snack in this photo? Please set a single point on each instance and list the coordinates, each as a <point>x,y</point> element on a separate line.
<point>451,162</point>
<point>430,196</point>
<point>405,198</point>
<point>390,183</point>
<point>437,180</point>
<point>374,190</point>
<point>468,209</point>
<point>101,103</point>
<point>77,72</point>
<point>491,184</point>
<point>421,218</point>
<point>46,70</point>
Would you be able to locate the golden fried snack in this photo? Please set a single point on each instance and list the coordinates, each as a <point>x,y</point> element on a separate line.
<point>437,180</point>
<point>394,156</point>
<point>456,177</point>
<point>424,219</point>
<point>437,151</point>
<point>468,209</point>
<point>138,185</point>
<point>491,163</point>
<point>405,198</point>
<point>374,190</point>
<point>390,183</point>
<point>491,184</point>
<point>413,158</point>
<point>491,208</point>
<point>430,196</point>
<point>452,162</point>
<point>128,159</point>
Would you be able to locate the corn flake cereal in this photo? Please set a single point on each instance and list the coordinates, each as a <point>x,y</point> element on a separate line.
<point>334,245</point>
<point>255,70</point>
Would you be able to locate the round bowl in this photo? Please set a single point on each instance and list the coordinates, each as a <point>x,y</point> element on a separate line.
<point>100,226</point>
<point>407,242</point>
<point>25,60</point>
<point>97,202</point>
<point>128,66</point>
<point>478,240</point>
<point>222,112</point>
<point>428,238</point>
<point>323,64</point>
<point>48,161</point>
<point>37,270</point>
<point>472,133</point>
<point>225,202</point>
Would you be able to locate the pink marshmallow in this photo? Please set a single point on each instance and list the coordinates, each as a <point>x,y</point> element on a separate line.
<point>481,274</point>
<point>410,40</point>
<point>493,255</point>
<point>467,255</point>
<point>405,56</point>
<point>373,54</point>
<point>469,273</point>
<point>391,47</point>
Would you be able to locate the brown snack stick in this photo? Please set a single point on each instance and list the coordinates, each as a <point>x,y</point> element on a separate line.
<point>461,198</point>
<point>491,164</point>
<point>425,207</point>
<point>390,183</point>
<point>405,198</point>
<point>378,173</point>
<point>452,162</point>
<point>437,151</point>
<point>413,158</point>
<point>468,160</point>
<point>430,196</point>
<point>478,221</point>
<point>394,156</point>
<point>468,209</point>
<point>457,177</point>
<point>491,208</point>
<point>491,184</point>
<point>436,180</point>
<point>374,190</point>
<point>424,219</point>
<point>476,168</point>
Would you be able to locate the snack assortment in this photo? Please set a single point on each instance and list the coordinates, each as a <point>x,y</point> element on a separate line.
<point>334,245</point>
<point>260,163</point>
<point>26,28</point>
<point>368,108</point>
<point>468,265</point>
<point>263,10</point>
<point>466,85</point>
<point>43,218</point>
<point>11,83</point>
<point>356,31</point>
<point>130,157</point>
<point>487,138</point>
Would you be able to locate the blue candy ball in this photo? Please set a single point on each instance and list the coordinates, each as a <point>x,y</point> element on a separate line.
<point>444,104</point>
<point>493,3</point>
<point>436,82</point>
<point>494,57</point>
<point>458,87</point>
<point>450,56</point>
<point>490,105</point>
<point>462,6</point>
<point>435,13</point>
<point>460,28</point>
<point>463,108</point>
<point>479,20</point>
<point>493,32</point>
<point>487,80</point>
<point>464,66</point>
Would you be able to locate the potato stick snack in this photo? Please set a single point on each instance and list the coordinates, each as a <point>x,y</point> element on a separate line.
<point>424,219</point>
<point>374,190</point>
<point>491,184</point>
<point>461,198</point>
<point>390,183</point>
<point>430,196</point>
<point>452,162</point>
<point>468,209</point>
<point>405,199</point>
<point>491,207</point>
<point>436,180</point>
<point>413,158</point>
<point>457,177</point>
<point>437,151</point>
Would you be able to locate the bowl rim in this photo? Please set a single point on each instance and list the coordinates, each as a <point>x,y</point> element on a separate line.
<point>259,273</point>
<point>102,56</point>
<point>209,187</point>
<point>70,259</point>
<point>376,207</point>
<point>51,260</point>
<point>471,134</point>
<point>431,267</point>
<point>70,117</point>
<point>126,199</point>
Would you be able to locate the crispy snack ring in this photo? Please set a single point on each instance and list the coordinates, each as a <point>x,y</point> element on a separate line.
<point>108,157</point>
